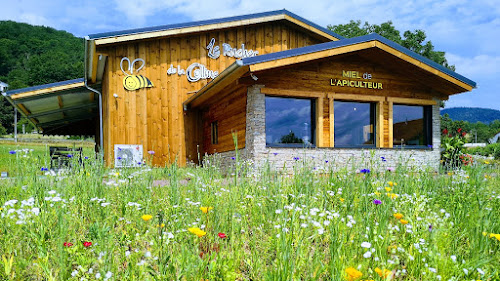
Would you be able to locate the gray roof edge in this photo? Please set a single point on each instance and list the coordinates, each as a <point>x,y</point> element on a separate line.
<point>352,41</point>
<point>207,22</point>
<point>44,86</point>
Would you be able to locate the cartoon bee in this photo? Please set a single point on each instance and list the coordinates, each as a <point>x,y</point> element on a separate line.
<point>133,82</point>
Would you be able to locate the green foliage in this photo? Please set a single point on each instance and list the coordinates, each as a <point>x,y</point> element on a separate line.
<point>412,40</point>
<point>483,132</point>
<point>453,144</point>
<point>3,131</point>
<point>491,150</point>
<point>36,55</point>
<point>6,114</point>
<point>291,138</point>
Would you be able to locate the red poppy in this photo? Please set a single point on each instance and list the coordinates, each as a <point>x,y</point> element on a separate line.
<point>87,244</point>
<point>445,131</point>
<point>463,134</point>
<point>222,235</point>
<point>67,244</point>
<point>459,130</point>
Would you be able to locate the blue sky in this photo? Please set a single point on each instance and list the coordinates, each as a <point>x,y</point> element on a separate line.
<point>468,31</point>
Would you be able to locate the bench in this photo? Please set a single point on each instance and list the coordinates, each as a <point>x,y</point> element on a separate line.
<point>62,156</point>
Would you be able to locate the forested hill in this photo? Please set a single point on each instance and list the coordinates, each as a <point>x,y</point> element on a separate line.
<point>35,55</point>
<point>472,114</point>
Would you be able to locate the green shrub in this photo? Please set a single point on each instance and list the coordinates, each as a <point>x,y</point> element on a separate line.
<point>3,131</point>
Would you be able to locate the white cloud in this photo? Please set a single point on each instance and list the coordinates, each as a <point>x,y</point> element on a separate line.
<point>478,67</point>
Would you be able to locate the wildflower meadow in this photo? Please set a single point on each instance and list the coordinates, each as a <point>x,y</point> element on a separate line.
<point>90,222</point>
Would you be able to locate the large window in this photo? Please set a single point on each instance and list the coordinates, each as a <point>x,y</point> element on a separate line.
<point>354,124</point>
<point>290,122</point>
<point>412,125</point>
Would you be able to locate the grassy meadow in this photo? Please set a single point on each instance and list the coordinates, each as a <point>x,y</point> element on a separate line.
<point>197,223</point>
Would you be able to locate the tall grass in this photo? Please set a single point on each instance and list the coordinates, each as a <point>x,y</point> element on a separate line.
<point>264,225</point>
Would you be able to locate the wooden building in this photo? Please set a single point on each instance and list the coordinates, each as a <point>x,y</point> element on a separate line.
<point>271,83</point>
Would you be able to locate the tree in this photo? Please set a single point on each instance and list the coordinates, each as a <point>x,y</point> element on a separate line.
<point>412,40</point>
<point>35,55</point>
<point>291,138</point>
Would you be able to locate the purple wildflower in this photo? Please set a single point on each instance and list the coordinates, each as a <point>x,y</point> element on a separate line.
<point>44,169</point>
<point>296,158</point>
<point>233,158</point>
<point>364,171</point>
<point>377,202</point>
<point>12,152</point>
<point>151,152</point>
<point>430,227</point>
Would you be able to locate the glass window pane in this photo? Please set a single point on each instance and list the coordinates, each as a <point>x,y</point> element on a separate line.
<point>354,124</point>
<point>408,125</point>
<point>289,121</point>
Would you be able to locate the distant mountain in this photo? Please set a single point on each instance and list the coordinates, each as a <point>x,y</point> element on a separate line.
<point>472,114</point>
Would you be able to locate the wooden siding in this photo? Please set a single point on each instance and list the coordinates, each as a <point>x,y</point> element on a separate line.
<point>154,117</point>
<point>229,112</point>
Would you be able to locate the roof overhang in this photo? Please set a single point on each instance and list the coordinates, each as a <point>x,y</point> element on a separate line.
<point>209,25</point>
<point>321,51</point>
<point>53,106</point>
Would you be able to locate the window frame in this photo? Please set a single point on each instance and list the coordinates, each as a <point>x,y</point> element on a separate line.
<point>427,126</point>
<point>313,128</point>
<point>214,132</point>
<point>374,108</point>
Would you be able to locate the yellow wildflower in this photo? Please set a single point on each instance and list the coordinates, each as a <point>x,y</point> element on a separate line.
<point>486,162</point>
<point>383,273</point>
<point>146,217</point>
<point>205,209</point>
<point>391,184</point>
<point>198,232</point>
<point>377,193</point>
<point>497,236</point>
<point>342,200</point>
<point>392,195</point>
<point>403,221</point>
<point>388,189</point>
<point>353,274</point>
<point>485,233</point>
<point>398,216</point>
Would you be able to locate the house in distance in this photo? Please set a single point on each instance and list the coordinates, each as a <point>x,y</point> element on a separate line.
<point>275,85</point>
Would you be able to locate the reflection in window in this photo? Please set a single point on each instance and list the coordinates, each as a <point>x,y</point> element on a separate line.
<point>289,122</point>
<point>354,124</point>
<point>411,125</point>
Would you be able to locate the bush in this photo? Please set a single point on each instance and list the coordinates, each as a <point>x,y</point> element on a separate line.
<point>453,143</point>
<point>489,150</point>
<point>3,131</point>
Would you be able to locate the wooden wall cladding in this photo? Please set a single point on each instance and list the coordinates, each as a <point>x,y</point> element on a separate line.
<point>230,114</point>
<point>154,117</point>
<point>401,81</point>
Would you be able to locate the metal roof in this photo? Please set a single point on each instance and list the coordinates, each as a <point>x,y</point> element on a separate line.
<point>64,107</point>
<point>207,22</point>
<point>45,86</point>
<point>352,41</point>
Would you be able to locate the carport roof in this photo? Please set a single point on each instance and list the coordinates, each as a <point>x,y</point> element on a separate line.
<point>56,105</point>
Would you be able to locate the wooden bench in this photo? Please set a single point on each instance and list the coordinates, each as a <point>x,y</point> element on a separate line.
<point>61,157</point>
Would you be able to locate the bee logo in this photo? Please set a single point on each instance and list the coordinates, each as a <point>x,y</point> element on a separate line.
<point>133,82</point>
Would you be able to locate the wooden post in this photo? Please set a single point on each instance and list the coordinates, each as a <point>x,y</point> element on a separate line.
<point>319,122</point>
